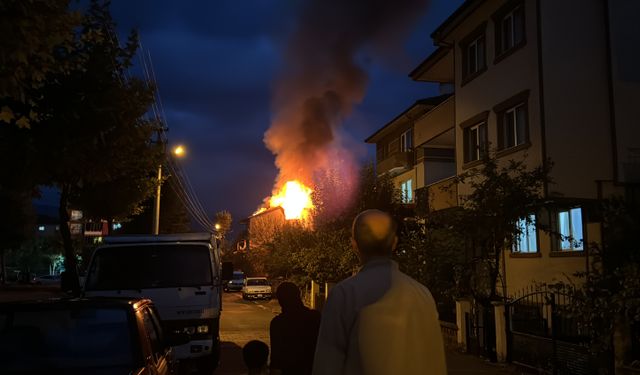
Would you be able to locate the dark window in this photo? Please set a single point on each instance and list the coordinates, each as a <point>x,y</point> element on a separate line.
<point>513,121</point>
<point>152,330</point>
<point>509,27</point>
<point>257,282</point>
<point>512,125</point>
<point>150,266</point>
<point>475,142</point>
<point>68,339</point>
<point>406,141</point>
<point>474,54</point>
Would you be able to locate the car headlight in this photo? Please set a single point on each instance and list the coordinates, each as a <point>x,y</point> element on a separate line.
<point>203,329</point>
<point>189,330</point>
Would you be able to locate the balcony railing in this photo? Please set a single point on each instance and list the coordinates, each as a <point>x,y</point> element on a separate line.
<point>395,163</point>
<point>437,196</point>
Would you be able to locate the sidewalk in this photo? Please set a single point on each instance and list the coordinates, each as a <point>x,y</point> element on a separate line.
<point>461,363</point>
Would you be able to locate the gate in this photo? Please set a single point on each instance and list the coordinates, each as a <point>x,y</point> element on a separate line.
<point>543,336</point>
<point>481,333</point>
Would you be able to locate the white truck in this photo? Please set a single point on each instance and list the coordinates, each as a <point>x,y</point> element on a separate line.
<point>181,273</point>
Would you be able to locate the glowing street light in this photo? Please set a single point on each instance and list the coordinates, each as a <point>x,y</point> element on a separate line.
<point>178,151</point>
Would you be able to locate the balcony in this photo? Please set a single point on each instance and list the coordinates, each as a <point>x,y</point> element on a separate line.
<point>437,196</point>
<point>396,163</point>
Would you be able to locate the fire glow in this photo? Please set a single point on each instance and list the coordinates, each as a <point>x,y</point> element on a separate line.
<point>295,199</point>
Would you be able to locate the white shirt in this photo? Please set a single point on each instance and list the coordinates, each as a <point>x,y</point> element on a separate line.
<point>379,322</point>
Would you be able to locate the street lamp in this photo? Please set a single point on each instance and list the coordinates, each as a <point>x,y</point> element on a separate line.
<point>178,151</point>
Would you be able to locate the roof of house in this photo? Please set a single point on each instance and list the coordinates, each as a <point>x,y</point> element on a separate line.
<point>433,58</point>
<point>427,102</point>
<point>455,19</point>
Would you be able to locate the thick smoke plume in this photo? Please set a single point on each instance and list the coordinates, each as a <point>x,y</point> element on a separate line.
<point>322,80</point>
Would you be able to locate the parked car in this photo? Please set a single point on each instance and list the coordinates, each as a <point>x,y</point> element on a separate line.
<point>235,284</point>
<point>256,288</point>
<point>47,280</point>
<point>84,336</point>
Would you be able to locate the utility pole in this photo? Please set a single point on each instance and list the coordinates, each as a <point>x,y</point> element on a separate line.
<point>156,207</point>
<point>155,229</point>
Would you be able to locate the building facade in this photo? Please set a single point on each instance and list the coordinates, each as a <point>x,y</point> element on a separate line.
<point>536,81</point>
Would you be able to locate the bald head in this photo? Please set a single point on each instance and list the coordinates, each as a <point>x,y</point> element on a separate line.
<point>374,233</point>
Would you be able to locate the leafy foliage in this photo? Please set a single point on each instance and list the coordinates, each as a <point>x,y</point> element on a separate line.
<point>223,222</point>
<point>38,44</point>
<point>609,299</point>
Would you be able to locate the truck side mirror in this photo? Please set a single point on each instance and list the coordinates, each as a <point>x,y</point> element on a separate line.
<point>227,271</point>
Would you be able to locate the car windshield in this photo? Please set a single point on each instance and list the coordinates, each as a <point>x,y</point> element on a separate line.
<point>257,282</point>
<point>38,340</point>
<point>153,266</point>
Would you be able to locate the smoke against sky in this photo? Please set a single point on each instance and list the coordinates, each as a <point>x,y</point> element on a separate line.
<point>323,77</point>
<point>216,65</point>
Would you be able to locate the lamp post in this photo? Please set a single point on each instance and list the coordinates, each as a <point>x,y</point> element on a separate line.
<point>178,151</point>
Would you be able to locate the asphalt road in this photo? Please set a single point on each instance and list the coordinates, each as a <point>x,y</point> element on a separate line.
<point>241,322</point>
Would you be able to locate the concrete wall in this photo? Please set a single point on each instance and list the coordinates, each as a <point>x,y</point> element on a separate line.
<point>434,122</point>
<point>625,63</point>
<point>501,81</point>
<point>576,98</point>
<point>546,266</point>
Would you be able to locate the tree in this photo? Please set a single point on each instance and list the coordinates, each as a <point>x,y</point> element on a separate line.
<point>38,40</point>
<point>223,223</point>
<point>174,217</point>
<point>95,133</point>
<point>323,252</point>
<point>607,303</point>
<point>501,194</point>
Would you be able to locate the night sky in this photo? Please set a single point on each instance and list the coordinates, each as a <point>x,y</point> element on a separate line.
<point>215,63</point>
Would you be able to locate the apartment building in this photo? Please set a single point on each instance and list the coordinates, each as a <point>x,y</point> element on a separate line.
<point>415,154</point>
<point>531,80</point>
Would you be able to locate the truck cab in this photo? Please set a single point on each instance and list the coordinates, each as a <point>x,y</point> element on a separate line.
<point>181,274</point>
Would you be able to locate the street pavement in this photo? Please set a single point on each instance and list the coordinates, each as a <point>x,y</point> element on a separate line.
<point>241,322</point>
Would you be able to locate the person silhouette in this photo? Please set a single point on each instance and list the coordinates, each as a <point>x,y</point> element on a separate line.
<point>255,354</point>
<point>379,321</point>
<point>294,333</point>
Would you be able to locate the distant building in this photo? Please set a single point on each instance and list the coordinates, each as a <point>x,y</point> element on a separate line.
<point>263,226</point>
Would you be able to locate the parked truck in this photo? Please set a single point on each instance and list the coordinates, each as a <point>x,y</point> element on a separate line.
<point>181,273</point>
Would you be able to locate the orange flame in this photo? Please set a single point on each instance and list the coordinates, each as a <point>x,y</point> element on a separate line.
<point>295,199</point>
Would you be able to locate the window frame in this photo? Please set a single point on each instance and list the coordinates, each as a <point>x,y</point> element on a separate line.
<point>533,219</point>
<point>475,121</point>
<point>572,240</point>
<point>520,99</point>
<point>406,137</point>
<point>407,193</point>
<point>508,10</point>
<point>478,34</point>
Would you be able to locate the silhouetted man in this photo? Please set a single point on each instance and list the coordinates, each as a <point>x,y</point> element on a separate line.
<point>380,321</point>
<point>294,333</point>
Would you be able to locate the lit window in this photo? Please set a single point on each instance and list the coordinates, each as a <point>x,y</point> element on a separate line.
<point>513,126</point>
<point>41,228</point>
<point>407,191</point>
<point>525,238</point>
<point>406,141</point>
<point>475,142</point>
<point>570,229</point>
